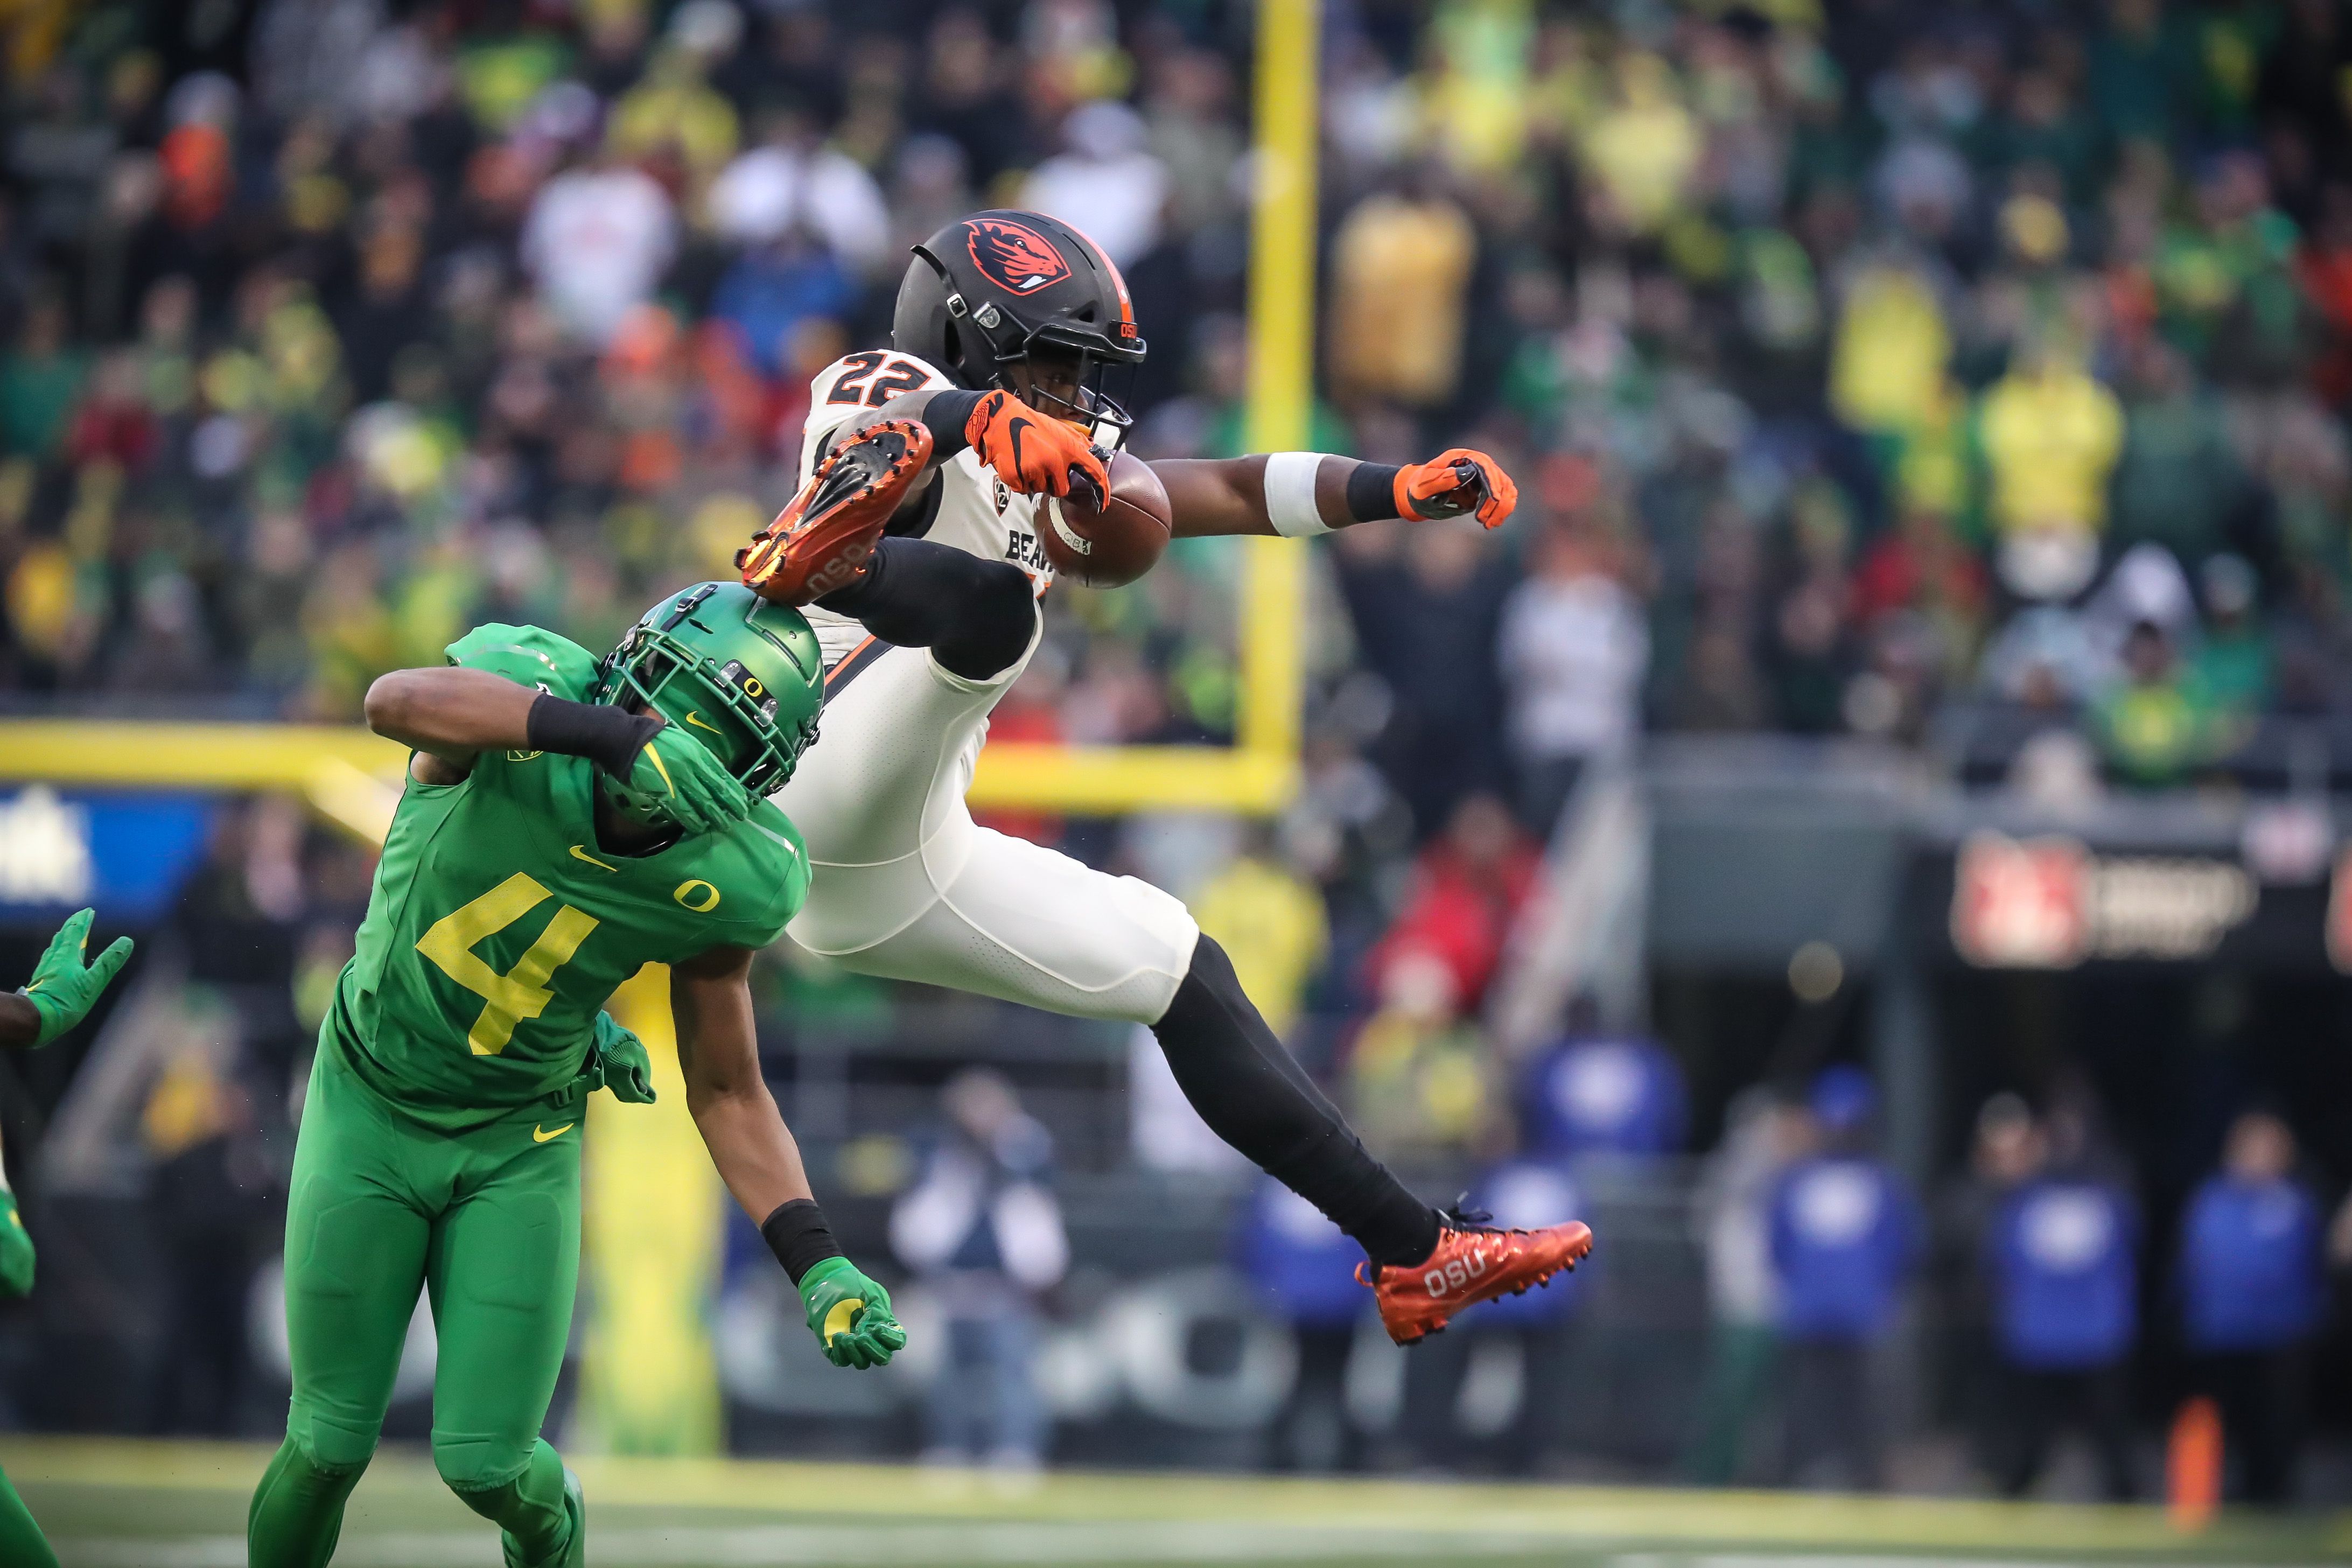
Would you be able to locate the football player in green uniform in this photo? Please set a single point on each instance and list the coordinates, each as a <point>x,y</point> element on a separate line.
<point>63,989</point>
<point>564,822</point>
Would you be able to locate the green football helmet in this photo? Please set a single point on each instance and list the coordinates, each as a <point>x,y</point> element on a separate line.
<point>743,675</point>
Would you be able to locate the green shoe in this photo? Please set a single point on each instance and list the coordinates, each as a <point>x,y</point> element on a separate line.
<point>575,1550</point>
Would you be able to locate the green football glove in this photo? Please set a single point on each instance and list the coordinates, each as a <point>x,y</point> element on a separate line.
<point>622,1065</point>
<point>63,988</point>
<point>15,1249</point>
<point>850,1315</point>
<point>679,776</point>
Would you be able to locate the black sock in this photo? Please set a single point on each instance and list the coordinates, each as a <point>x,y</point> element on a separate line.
<point>1253,1094</point>
<point>975,615</point>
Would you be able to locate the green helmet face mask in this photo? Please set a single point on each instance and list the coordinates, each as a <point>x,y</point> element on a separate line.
<point>743,675</point>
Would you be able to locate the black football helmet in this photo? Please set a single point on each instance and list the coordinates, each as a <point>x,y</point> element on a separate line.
<point>984,292</point>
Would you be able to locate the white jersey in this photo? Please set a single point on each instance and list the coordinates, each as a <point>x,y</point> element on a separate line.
<point>906,886</point>
<point>978,513</point>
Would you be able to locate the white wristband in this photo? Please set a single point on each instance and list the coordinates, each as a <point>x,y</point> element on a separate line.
<point>1290,494</point>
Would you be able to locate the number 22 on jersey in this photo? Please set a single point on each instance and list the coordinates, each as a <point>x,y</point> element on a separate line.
<point>899,377</point>
<point>521,992</point>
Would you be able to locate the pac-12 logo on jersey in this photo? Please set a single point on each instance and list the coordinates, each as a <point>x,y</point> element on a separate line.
<point>1014,256</point>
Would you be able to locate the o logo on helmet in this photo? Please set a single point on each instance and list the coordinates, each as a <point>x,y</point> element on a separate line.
<point>1013,255</point>
<point>751,686</point>
<point>696,895</point>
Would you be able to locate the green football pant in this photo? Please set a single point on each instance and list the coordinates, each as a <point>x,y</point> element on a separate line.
<point>488,1223</point>
<point>21,1545</point>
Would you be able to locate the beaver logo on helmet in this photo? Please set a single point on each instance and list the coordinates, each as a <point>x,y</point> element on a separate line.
<point>1014,256</point>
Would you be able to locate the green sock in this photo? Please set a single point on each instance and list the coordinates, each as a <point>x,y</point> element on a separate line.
<point>21,1545</point>
<point>298,1510</point>
<point>529,1510</point>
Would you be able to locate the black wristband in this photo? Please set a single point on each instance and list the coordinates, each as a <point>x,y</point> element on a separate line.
<point>607,736</point>
<point>796,1233</point>
<point>945,415</point>
<point>1371,491</point>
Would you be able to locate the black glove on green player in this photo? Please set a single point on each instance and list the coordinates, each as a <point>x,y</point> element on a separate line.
<point>64,988</point>
<point>850,1315</point>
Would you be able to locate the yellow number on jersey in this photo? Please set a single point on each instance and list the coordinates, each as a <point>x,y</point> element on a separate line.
<point>521,992</point>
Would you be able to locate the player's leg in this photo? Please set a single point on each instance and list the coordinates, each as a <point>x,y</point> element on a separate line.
<point>1027,925</point>
<point>879,803</point>
<point>977,617</point>
<point>907,886</point>
<point>21,1542</point>
<point>504,1262</point>
<point>1016,920</point>
<point>354,1260</point>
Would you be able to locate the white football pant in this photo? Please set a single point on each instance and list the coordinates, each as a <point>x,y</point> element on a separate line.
<point>906,886</point>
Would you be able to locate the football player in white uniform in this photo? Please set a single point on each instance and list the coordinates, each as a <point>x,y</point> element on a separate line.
<point>913,545</point>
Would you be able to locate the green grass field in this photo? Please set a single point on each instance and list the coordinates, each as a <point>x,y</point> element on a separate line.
<point>109,1504</point>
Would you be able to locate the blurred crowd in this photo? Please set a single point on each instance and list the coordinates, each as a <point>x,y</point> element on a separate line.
<point>2032,1288</point>
<point>1859,363</point>
<point>2049,1295</point>
<point>1854,359</point>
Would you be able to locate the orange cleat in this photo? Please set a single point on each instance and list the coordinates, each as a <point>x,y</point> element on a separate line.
<point>822,539</point>
<point>1472,1263</point>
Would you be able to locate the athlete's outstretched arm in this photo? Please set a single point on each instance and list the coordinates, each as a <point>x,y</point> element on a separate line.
<point>711,999</point>
<point>449,715</point>
<point>757,1158</point>
<point>1301,494</point>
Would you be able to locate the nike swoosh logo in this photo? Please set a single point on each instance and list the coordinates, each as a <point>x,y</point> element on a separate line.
<point>698,721</point>
<point>580,854</point>
<point>538,1137</point>
<point>837,1319</point>
<point>659,769</point>
<point>1013,433</point>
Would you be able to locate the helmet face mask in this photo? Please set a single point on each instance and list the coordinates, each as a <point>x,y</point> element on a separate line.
<point>740,675</point>
<point>999,291</point>
<point>1069,385</point>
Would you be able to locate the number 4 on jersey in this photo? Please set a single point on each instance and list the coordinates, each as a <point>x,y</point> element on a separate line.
<point>521,992</point>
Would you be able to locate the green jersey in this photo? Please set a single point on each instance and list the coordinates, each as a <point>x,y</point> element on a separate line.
<point>498,925</point>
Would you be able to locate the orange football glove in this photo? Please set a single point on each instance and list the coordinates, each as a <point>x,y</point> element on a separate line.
<point>1458,481</point>
<point>1033,453</point>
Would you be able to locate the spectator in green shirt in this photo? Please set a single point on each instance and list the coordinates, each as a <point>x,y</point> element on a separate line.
<point>40,381</point>
<point>2177,481</point>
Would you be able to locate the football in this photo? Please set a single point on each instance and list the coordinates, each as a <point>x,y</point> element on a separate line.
<point>1116,544</point>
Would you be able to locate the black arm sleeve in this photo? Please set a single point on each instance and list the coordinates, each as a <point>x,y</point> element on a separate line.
<point>976,617</point>
<point>797,1234</point>
<point>947,413</point>
<point>1371,491</point>
<point>609,737</point>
